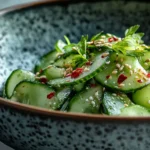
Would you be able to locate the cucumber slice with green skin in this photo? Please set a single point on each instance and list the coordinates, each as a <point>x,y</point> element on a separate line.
<point>47,60</point>
<point>135,110</point>
<point>41,95</point>
<point>78,87</point>
<point>114,102</point>
<point>52,72</point>
<point>89,73</point>
<point>72,61</point>
<point>15,77</point>
<point>145,60</point>
<point>123,73</point>
<point>87,101</point>
<point>142,96</point>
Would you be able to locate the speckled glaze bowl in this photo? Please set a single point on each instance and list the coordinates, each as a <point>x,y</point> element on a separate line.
<point>29,31</point>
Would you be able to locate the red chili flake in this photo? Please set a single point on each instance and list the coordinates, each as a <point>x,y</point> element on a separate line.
<point>50,95</point>
<point>76,73</point>
<point>115,39</point>
<point>121,78</point>
<point>43,80</point>
<point>140,81</point>
<point>68,75</point>
<point>107,77</point>
<point>110,39</point>
<point>148,75</point>
<point>92,85</point>
<point>88,63</point>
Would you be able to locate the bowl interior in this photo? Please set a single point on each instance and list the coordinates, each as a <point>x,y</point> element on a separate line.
<point>27,34</point>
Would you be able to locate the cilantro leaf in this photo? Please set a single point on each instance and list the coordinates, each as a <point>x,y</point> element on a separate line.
<point>131,30</point>
<point>97,36</point>
<point>67,40</point>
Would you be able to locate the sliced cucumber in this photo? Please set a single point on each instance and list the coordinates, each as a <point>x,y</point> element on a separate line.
<point>87,101</point>
<point>145,60</point>
<point>89,73</point>
<point>16,77</point>
<point>78,87</point>
<point>46,60</point>
<point>142,96</point>
<point>114,102</point>
<point>135,110</point>
<point>123,73</point>
<point>39,95</point>
<point>52,72</point>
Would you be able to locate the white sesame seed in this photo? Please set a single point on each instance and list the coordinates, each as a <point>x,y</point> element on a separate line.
<point>91,98</point>
<point>129,84</point>
<point>136,77</point>
<point>121,68</point>
<point>103,89</point>
<point>86,69</point>
<point>105,54</point>
<point>146,64</point>
<point>96,93</point>
<point>86,100</point>
<point>102,40</point>
<point>149,101</point>
<point>93,103</point>
<point>114,94</point>
<point>131,72</point>
<point>114,72</point>
<point>126,105</point>
<point>119,39</point>
<point>121,85</point>
<point>105,81</point>
<point>118,65</point>
<point>128,66</point>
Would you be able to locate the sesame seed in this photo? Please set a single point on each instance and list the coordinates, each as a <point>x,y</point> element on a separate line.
<point>128,66</point>
<point>136,77</point>
<point>119,39</point>
<point>131,72</point>
<point>149,101</point>
<point>86,100</point>
<point>93,103</point>
<point>146,64</point>
<point>114,72</point>
<point>126,105</point>
<point>86,69</point>
<point>105,81</point>
<point>96,93</point>
<point>121,85</point>
<point>121,68</point>
<point>107,62</point>
<point>129,84</point>
<point>118,65</point>
<point>91,98</point>
<point>105,55</point>
<point>102,40</point>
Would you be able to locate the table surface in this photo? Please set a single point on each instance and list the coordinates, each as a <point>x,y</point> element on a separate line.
<point>4,4</point>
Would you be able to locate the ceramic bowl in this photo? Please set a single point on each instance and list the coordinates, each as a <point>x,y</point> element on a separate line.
<point>29,31</point>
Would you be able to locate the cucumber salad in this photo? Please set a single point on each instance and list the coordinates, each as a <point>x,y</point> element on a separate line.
<point>105,74</point>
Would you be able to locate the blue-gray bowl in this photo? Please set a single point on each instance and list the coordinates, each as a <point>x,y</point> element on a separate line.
<point>29,31</point>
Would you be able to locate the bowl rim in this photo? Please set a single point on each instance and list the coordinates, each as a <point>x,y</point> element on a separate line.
<point>53,113</point>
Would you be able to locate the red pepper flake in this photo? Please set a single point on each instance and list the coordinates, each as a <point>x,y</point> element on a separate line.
<point>121,78</point>
<point>140,81</point>
<point>68,75</point>
<point>88,63</point>
<point>43,80</point>
<point>107,77</point>
<point>92,85</point>
<point>50,95</point>
<point>148,75</point>
<point>76,73</point>
<point>110,39</point>
<point>115,39</point>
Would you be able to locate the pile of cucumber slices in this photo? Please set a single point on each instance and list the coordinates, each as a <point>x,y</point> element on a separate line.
<point>103,75</point>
